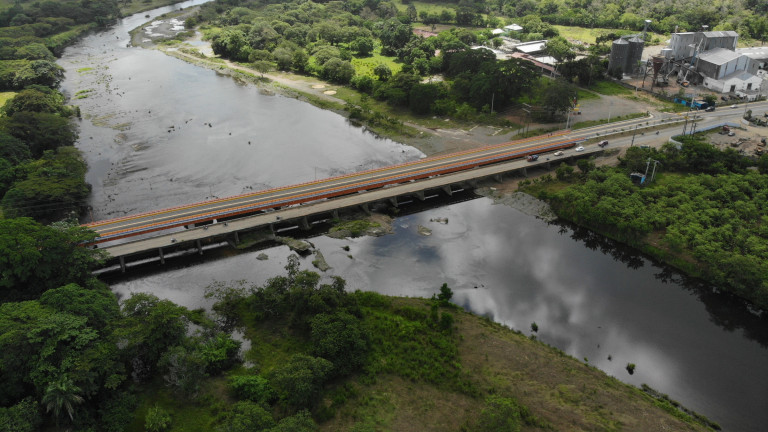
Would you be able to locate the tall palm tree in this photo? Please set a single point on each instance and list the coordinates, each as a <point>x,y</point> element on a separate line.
<point>62,394</point>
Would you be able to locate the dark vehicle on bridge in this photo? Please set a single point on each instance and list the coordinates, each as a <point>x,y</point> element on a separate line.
<point>603,143</point>
<point>533,158</point>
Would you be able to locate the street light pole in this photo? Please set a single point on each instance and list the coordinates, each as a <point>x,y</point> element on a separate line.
<point>633,136</point>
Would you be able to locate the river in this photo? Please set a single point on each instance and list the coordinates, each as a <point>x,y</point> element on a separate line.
<point>589,297</point>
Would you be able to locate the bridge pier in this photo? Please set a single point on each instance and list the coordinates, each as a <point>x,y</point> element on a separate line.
<point>335,213</point>
<point>525,172</point>
<point>448,191</point>
<point>498,178</point>
<point>365,208</point>
<point>199,246</point>
<point>304,223</point>
<point>420,195</point>
<point>122,263</point>
<point>237,238</point>
<point>393,200</point>
<point>548,164</point>
<point>162,256</point>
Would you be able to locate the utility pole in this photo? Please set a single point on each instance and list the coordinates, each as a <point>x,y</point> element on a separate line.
<point>633,136</point>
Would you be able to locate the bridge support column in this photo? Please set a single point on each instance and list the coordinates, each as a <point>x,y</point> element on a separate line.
<point>272,228</point>
<point>122,264</point>
<point>448,191</point>
<point>420,195</point>
<point>335,214</point>
<point>162,256</point>
<point>498,178</point>
<point>237,238</point>
<point>304,222</point>
<point>393,200</point>
<point>365,208</point>
<point>199,246</point>
<point>525,171</point>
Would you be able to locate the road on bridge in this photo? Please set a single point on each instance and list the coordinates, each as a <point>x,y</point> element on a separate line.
<point>256,202</point>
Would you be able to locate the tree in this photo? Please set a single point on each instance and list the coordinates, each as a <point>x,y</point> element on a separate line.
<point>560,49</point>
<point>183,370</point>
<point>445,294</point>
<point>299,422</point>
<point>254,388</point>
<point>41,131</point>
<point>150,326</point>
<point>558,98</point>
<point>62,396</point>
<point>363,46</point>
<point>53,188</point>
<point>22,417</point>
<point>382,71</point>
<point>42,72</point>
<point>341,339</point>
<point>247,416</point>
<point>97,304</point>
<point>298,383</point>
<point>157,420</point>
<point>36,99</point>
<point>422,97</point>
<point>394,35</point>
<point>338,71</point>
<point>36,258</point>
<point>262,67</point>
<point>13,149</point>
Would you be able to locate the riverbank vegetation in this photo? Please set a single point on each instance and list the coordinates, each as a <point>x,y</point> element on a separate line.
<point>705,212</point>
<point>318,356</point>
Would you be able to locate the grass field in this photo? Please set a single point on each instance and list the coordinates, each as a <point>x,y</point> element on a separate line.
<point>365,66</point>
<point>589,35</point>
<point>610,88</point>
<point>5,96</point>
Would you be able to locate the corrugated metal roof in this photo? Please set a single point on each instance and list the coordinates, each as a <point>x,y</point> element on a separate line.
<point>711,34</point>
<point>754,52</point>
<point>718,56</point>
<point>531,47</point>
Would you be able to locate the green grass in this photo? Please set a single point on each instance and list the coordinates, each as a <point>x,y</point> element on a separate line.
<point>5,97</point>
<point>590,123</point>
<point>365,66</point>
<point>590,35</point>
<point>610,88</point>
<point>587,95</point>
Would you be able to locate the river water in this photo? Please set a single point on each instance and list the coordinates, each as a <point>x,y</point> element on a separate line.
<point>589,297</point>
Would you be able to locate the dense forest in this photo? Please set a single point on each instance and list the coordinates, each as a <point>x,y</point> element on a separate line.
<point>707,213</point>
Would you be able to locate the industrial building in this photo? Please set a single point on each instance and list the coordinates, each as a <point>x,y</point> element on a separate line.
<point>710,58</point>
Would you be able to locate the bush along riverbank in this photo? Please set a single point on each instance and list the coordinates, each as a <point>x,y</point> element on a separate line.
<point>705,212</point>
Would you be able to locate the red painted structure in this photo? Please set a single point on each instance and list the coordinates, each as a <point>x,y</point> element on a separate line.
<point>257,202</point>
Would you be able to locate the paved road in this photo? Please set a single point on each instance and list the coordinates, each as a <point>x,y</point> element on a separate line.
<point>290,196</point>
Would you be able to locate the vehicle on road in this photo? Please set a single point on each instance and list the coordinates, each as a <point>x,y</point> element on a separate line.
<point>603,143</point>
<point>733,106</point>
<point>532,158</point>
<point>710,109</point>
<point>579,148</point>
<point>731,133</point>
<point>558,153</point>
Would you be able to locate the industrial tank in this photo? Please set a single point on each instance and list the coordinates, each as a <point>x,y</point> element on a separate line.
<point>635,53</point>
<point>619,55</point>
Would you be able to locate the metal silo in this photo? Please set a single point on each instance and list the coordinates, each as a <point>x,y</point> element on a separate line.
<point>619,54</point>
<point>635,53</point>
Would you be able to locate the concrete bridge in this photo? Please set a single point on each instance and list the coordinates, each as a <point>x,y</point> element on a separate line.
<point>153,235</point>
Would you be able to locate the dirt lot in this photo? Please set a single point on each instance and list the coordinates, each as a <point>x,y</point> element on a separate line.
<point>746,139</point>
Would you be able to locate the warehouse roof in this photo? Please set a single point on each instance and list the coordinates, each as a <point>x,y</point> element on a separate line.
<point>718,56</point>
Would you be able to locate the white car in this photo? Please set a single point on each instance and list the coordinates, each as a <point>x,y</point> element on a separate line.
<point>558,153</point>
<point>579,148</point>
<point>733,106</point>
